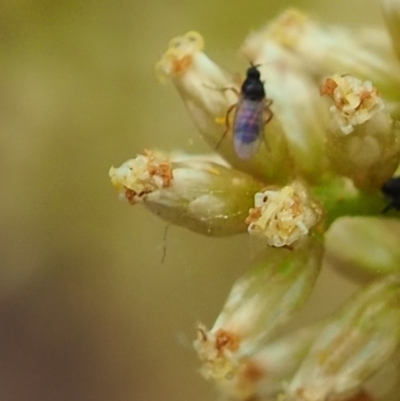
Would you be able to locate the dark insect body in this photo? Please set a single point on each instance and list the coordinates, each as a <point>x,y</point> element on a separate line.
<point>252,114</point>
<point>391,190</point>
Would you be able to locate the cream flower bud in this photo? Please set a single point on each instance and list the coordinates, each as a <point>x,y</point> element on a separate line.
<point>391,12</point>
<point>362,143</point>
<point>259,302</point>
<point>209,92</point>
<point>283,217</point>
<point>297,104</point>
<point>262,375</point>
<point>349,244</point>
<point>328,49</point>
<point>354,344</point>
<point>203,196</point>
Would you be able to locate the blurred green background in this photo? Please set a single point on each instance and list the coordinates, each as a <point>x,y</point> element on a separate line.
<point>87,309</point>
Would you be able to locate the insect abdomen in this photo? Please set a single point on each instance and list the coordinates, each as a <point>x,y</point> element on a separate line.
<point>248,127</point>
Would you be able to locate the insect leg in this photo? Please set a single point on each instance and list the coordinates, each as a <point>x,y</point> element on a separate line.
<point>227,124</point>
<point>268,114</point>
<point>231,88</point>
<point>224,89</point>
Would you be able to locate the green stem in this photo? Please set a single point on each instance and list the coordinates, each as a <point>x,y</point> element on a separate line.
<point>339,197</point>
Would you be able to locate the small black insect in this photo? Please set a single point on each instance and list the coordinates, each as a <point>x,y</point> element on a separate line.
<point>391,190</point>
<point>252,114</point>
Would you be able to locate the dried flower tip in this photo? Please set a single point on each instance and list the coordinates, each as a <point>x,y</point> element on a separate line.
<point>216,351</point>
<point>261,375</point>
<point>355,101</point>
<point>289,27</point>
<point>179,55</point>
<point>140,176</point>
<point>283,216</point>
<point>259,302</point>
<point>193,72</point>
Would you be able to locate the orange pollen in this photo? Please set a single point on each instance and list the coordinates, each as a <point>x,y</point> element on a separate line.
<point>226,340</point>
<point>328,87</point>
<point>181,65</point>
<point>340,104</point>
<point>161,169</point>
<point>254,215</point>
<point>132,196</point>
<point>253,373</point>
<point>297,207</point>
<point>164,171</point>
<point>365,97</point>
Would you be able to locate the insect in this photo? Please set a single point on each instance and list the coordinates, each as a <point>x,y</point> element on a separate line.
<point>391,189</point>
<point>252,113</point>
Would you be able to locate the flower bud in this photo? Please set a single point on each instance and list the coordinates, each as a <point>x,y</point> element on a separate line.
<point>262,375</point>
<point>209,92</point>
<point>200,195</point>
<point>362,143</point>
<point>325,50</point>
<point>297,105</point>
<point>352,346</point>
<point>279,283</point>
<point>367,245</point>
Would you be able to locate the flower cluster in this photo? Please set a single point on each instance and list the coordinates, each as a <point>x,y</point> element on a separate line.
<point>282,217</point>
<point>317,119</point>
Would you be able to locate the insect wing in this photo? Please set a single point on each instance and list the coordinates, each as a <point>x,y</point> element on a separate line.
<point>248,128</point>
<point>246,150</point>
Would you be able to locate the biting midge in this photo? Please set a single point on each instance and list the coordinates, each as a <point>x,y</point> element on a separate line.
<point>252,113</point>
